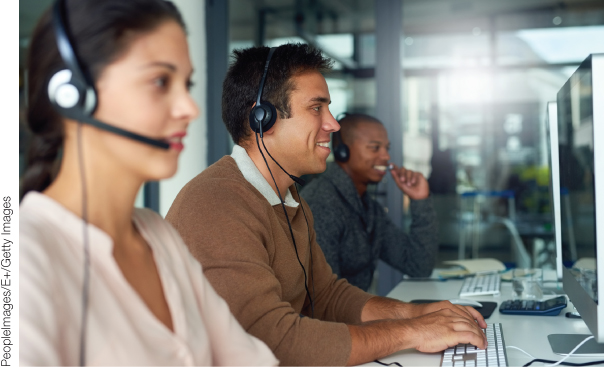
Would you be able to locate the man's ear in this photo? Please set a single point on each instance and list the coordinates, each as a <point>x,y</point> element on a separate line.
<point>271,131</point>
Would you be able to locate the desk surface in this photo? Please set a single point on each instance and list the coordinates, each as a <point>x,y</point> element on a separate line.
<point>526,332</point>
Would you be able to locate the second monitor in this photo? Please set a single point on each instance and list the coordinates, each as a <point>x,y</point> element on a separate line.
<point>580,114</point>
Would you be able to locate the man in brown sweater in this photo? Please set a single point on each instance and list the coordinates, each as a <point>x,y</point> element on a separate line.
<point>239,216</point>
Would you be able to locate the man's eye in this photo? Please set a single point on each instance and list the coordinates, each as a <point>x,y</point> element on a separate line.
<point>317,108</point>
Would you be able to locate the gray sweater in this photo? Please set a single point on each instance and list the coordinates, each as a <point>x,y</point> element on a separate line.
<point>354,232</point>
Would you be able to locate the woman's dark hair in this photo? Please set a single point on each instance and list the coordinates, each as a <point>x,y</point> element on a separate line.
<point>240,87</point>
<point>101,31</point>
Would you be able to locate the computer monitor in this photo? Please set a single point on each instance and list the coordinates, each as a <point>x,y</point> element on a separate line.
<point>580,105</point>
<point>552,138</point>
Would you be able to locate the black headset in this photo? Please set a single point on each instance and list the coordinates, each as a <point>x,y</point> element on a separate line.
<point>263,114</point>
<point>262,118</point>
<point>71,91</point>
<point>341,152</point>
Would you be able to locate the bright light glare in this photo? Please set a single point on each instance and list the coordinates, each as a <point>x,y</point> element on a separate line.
<point>339,45</point>
<point>276,42</point>
<point>339,91</point>
<point>566,44</point>
<point>469,87</point>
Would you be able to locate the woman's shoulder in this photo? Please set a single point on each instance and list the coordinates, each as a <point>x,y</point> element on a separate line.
<point>150,221</point>
<point>158,230</point>
<point>166,241</point>
<point>44,244</point>
<point>38,216</point>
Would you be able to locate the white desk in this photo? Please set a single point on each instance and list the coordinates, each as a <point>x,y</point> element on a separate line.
<point>526,332</point>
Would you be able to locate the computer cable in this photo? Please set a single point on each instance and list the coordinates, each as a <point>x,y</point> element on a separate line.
<point>439,279</point>
<point>523,351</point>
<point>388,364</point>
<point>86,279</point>
<point>594,363</point>
<point>312,274</point>
<point>571,352</point>
<point>425,279</point>
<point>312,306</point>
<point>560,362</point>
<point>296,179</point>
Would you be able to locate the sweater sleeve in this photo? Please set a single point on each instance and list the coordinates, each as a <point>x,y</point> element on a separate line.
<point>231,345</point>
<point>415,253</point>
<point>335,299</point>
<point>225,231</point>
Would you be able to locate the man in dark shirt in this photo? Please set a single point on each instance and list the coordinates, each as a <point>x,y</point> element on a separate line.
<point>353,229</point>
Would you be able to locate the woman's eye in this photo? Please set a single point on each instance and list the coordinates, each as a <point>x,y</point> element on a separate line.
<point>190,84</point>
<point>161,82</point>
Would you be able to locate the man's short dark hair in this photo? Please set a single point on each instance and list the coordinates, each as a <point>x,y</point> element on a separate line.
<point>240,87</point>
<point>349,123</point>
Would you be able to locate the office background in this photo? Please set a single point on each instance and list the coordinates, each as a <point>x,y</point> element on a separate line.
<point>461,85</point>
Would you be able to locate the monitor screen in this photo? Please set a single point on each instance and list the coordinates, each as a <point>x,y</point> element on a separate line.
<point>577,171</point>
<point>580,130</point>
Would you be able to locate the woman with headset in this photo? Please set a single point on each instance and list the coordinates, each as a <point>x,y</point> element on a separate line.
<point>102,282</point>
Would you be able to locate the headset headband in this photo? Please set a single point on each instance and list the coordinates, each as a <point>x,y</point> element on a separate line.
<point>268,60</point>
<point>65,45</point>
<point>72,91</point>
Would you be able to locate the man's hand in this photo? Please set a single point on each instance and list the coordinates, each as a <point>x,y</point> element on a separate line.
<point>437,331</point>
<point>380,308</point>
<point>411,183</point>
<point>391,326</point>
<point>467,312</point>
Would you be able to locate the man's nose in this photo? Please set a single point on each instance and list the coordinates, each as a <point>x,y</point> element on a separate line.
<point>330,124</point>
<point>385,154</point>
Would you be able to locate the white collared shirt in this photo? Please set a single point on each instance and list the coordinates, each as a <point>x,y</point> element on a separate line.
<point>252,175</point>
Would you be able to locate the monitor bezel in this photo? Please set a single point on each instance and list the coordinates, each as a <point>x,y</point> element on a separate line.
<point>592,312</point>
<point>552,134</point>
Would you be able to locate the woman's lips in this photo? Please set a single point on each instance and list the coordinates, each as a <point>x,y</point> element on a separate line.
<point>175,141</point>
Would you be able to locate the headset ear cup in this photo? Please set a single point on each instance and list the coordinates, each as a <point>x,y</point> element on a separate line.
<point>70,95</point>
<point>273,116</point>
<point>61,90</point>
<point>341,153</point>
<point>264,114</point>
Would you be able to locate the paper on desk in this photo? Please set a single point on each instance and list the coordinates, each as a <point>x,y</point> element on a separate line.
<point>586,263</point>
<point>472,266</point>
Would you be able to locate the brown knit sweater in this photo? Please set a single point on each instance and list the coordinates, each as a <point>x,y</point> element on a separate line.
<point>247,254</point>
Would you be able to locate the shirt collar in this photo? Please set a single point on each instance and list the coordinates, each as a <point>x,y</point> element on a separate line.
<point>252,175</point>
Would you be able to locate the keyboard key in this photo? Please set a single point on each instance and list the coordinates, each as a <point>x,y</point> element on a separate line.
<point>480,285</point>
<point>469,355</point>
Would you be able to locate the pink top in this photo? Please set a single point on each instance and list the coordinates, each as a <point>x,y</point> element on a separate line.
<point>121,329</point>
